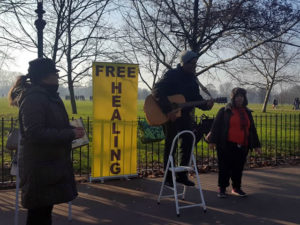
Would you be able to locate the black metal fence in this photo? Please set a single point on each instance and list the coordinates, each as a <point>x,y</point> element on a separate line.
<point>278,133</point>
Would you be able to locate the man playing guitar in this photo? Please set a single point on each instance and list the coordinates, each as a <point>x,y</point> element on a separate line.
<point>181,80</point>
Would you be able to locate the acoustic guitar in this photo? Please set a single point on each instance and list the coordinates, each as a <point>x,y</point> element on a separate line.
<point>155,116</point>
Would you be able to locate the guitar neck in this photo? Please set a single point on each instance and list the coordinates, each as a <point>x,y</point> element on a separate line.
<point>202,102</point>
<point>190,104</point>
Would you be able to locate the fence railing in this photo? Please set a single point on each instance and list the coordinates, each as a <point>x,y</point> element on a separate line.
<point>279,135</point>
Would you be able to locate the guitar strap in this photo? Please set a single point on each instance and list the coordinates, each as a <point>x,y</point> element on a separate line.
<point>203,88</point>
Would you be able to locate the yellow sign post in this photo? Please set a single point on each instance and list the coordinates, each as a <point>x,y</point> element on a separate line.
<point>115,88</point>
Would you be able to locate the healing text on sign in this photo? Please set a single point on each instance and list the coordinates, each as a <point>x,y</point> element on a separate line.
<point>115,113</point>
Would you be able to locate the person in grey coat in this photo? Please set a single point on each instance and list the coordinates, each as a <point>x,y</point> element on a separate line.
<point>45,166</point>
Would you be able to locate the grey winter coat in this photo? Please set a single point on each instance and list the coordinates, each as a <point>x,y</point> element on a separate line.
<point>44,157</point>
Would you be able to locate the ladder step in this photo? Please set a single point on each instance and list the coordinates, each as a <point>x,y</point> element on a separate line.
<point>182,169</point>
<point>193,205</point>
<point>170,196</point>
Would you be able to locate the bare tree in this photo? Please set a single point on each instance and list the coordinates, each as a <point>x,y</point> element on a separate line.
<point>79,34</point>
<point>209,27</point>
<point>73,36</point>
<point>144,43</point>
<point>6,8</point>
<point>268,65</point>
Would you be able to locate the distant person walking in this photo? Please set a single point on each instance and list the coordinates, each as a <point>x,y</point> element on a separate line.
<point>275,103</point>
<point>45,166</point>
<point>296,103</point>
<point>233,133</point>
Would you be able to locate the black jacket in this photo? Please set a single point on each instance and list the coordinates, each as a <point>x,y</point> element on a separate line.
<point>44,158</point>
<point>220,128</point>
<point>176,81</point>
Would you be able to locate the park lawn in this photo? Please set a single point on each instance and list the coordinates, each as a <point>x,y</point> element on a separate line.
<point>85,109</point>
<point>7,111</point>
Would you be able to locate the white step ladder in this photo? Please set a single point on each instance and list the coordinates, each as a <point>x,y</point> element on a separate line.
<point>175,169</point>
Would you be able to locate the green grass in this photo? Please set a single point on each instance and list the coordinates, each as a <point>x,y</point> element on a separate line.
<point>256,108</point>
<point>85,109</point>
<point>7,111</point>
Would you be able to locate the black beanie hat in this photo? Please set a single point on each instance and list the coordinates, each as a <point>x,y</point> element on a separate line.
<point>241,91</point>
<point>40,68</point>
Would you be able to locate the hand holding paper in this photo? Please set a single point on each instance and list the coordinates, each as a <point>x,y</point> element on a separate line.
<point>79,132</point>
<point>80,135</point>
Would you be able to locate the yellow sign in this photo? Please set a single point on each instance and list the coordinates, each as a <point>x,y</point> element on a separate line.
<point>115,88</point>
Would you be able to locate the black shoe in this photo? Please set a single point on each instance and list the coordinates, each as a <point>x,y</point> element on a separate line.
<point>169,183</point>
<point>222,193</point>
<point>185,181</point>
<point>238,192</point>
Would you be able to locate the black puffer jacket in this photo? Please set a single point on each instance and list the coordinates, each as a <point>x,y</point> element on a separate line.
<point>176,81</point>
<point>44,158</point>
<point>220,128</point>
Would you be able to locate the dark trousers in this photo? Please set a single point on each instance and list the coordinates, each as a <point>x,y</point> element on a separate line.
<point>171,129</point>
<point>40,216</point>
<point>231,161</point>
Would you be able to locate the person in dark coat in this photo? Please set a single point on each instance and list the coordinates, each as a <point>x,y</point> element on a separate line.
<point>45,166</point>
<point>181,80</point>
<point>233,133</point>
<point>275,103</point>
<point>296,103</point>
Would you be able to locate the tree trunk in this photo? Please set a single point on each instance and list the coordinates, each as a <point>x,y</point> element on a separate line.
<point>72,98</point>
<point>267,96</point>
<point>69,64</point>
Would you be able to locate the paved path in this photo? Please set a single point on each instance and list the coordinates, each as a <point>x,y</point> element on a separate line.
<point>274,198</point>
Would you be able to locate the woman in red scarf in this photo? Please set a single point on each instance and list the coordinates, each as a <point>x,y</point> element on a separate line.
<point>233,133</point>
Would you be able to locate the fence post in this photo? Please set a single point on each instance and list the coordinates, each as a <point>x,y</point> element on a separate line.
<point>80,154</point>
<point>266,137</point>
<point>294,128</point>
<point>261,135</point>
<point>2,149</point>
<point>285,149</point>
<point>158,155</point>
<point>281,135</point>
<point>290,142</point>
<point>298,133</point>
<point>275,139</point>
<point>146,158</point>
<point>298,150</point>
<point>88,147</point>
<point>152,153</point>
